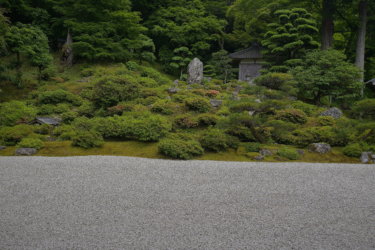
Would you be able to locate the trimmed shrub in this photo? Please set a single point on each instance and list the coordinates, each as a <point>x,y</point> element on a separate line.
<point>253,147</point>
<point>30,143</point>
<point>207,120</point>
<point>306,136</point>
<point>149,128</point>
<point>162,107</point>
<point>186,121</point>
<point>243,106</point>
<point>365,108</point>
<point>111,90</point>
<point>10,136</point>
<point>215,140</point>
<point>309,109</point>
<point>64,132</point>
<point>274,80</point>
<point>58,96</point>
<point>87,139</point>
<point>326,121</point>
<point>68,117</point>
<point>281,130</point>
<point>289,153</point>
<point>353,150</point>
<point>43,129</point>
<point>292,115</point>
<point>201,105</point>
<point>15,112</point>
<point>180,149</point>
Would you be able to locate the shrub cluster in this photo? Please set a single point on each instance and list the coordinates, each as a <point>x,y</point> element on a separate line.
<point>57,97</point>
<point>31,143</point>
<point>289,153</point>
<point>180,149</point>
<point>15,112</point>
<point>215,140</point>
<point>292,115</point>
<point>87,139</point>
<point>198,104</point>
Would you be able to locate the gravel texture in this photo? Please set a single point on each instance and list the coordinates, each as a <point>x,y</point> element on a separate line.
<point>131,203</point>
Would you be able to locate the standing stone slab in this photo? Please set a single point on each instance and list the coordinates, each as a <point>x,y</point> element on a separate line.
<point>195,71</point>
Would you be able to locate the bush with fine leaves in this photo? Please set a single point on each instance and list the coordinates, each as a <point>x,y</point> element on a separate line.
<point>216,140</point>
<point>180,149</point>
<point>16,111</point>
<point>87,139</point>
<point>31,143</point>
<point>198,104</point>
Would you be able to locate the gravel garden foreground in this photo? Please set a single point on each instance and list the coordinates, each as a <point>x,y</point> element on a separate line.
<point>110,202</point>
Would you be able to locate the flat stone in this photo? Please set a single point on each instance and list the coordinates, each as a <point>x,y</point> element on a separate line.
<point>2,147</point>
<point>321,148</point>
<point>26,151</point>
<point>173,90</point>
<point>265,152</point>
<point>301,151</point>
<point>216,103</point>
<point>259,158</point>
<point>333,112</point>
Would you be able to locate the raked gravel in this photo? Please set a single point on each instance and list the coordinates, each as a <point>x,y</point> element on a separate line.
<point>104,202</point>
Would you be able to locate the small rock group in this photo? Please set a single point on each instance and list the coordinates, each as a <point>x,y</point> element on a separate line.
<point>368,157</point>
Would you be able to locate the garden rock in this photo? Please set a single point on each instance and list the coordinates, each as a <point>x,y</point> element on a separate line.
<point>173,90</point>
<point>195,71</point>
<point>333,112</point>
<point>321,148</point>
<point>259,158</point>
<point>367,157</point>
<point>301,151</point>
<point>26,151</point>
<point>2,147</point>
<point>216,103</point>
<point>265,152</point>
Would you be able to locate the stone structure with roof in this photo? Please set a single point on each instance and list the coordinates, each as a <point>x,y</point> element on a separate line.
<point>250,62</point>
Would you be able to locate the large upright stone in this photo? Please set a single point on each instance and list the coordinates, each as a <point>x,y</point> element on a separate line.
<point>195,71</point>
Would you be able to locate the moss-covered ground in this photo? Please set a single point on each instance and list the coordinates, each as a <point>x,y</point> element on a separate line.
<point>150,150</point>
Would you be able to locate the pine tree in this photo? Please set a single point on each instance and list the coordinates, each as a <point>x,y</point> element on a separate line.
<point>289,38</point>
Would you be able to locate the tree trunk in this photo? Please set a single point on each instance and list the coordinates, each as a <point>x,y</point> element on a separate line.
<point>361,40</point>
<point>328,24</point>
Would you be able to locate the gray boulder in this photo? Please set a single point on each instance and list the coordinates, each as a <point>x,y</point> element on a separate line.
<point>321,148</point>
<point>367,157</point>
<point>173,90</point>
<point>26,151</point>
<point>333,112</point>
<point>2,147</point>
<point>195,71</point>
<point>265,152</point>
<point>259,158</point>
<point>216,103</point>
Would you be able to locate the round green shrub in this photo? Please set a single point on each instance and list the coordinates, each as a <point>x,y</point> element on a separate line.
<point>162,107</point>
<point>292,115</point>
<point>216,140</point>
<point>274,80</point>
<point>207,120</point>
<point>58,96</point>
<point>365,108</point>
<point>10,136</point>
<point>111,90</point>
<point>43,129</point>
<point>68,117</point>
<point>30,143</point>
<point>15,111</point>
<point>186,121</point>
<point>353,150</point>
<point>198,104</point>
<point>87,139</point>
<point>180,149</point>
<point>289,153</point>
<point>253,147</point>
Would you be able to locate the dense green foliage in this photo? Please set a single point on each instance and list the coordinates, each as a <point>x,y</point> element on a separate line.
<point>117,87</point>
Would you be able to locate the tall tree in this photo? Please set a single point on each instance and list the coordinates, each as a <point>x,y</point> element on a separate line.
<point>361,40</point>
<point>104,30</point>
<point>328,24</point>
<point>289,38</point>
